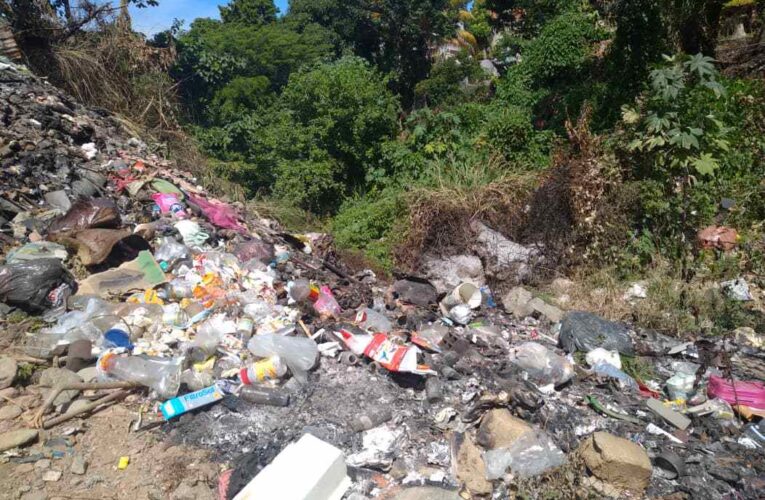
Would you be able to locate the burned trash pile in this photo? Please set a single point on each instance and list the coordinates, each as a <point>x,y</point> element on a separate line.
<point>126,283</point>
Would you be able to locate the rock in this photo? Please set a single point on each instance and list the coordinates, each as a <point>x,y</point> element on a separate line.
<point>42,464</point>
<point>77,404</point>
<point>17,438</point>
<point>617,461</point>
<point>89,374</point>
<point>9,412</point>
<point>35,495</point>
<point>499,429</point>
<point>449,272</point>
<point>504,259</point>
<point>8,367</point>
<point>188,491</point>
<point>24,469</point>
<point>488,67</point>
<point>51,476</point>
<point>8,392</point>
<point>79,465</point>
<point>585,331</point>
<point>516,302</point>
<point>552,313</point>
<point>426,493</point>
<point>470,467</point>
<point>747,336</point>
<point>559,286</point>
<point>54,376</point>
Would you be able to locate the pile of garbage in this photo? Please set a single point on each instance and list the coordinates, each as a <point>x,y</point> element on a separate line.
<point>310,382</point>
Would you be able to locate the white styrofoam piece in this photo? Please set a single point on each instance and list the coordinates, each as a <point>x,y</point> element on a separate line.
<point>308,469</point>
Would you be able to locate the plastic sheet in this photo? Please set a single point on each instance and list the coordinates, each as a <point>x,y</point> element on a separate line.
<point>87,214</point>
<point>543,366</point>
<point>218,213</point>
<point>530,455</point>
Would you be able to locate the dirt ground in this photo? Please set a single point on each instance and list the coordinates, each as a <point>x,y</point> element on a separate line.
<point>156,470</point>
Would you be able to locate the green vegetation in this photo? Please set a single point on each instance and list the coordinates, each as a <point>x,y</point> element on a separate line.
<point>603,130</point>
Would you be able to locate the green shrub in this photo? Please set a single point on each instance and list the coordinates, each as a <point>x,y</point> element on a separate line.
<point>316,186</point>
<point>367,223</point>
<point>509,129</point>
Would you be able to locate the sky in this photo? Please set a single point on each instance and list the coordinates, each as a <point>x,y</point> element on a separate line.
<point>155,19</point>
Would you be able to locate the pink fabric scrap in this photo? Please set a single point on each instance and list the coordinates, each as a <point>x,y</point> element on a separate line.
<point>218,213</point>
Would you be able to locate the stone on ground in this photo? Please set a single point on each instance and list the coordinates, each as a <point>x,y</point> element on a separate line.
<point>516,302</point>
<point>8,367</point>
<point>9,412</point>
<point>549,311</point>
<point>617,461</point>
<point>426,493</point>
<point>471,469</point>
<point>54,376</point>
<point>17,438</point>
<point>500,429</point>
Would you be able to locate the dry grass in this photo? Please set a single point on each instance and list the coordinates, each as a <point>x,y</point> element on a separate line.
<point>440,214</point>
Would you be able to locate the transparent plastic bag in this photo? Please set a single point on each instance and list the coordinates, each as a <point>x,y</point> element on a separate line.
<point>542,365</point>
<point>625,381</point>
<point>530,455</point>
<point>299,353</point>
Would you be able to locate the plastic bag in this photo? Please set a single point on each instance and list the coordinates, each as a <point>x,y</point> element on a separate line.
<point>543,366</point>
<point>750,394</point>
<point>601,355</point>
<point>192,233</point>
<point>254,249</point>
<point>87,214</point>
<point>299,353</point>
<point>35,286</point>
<point>585,331</point>
<point>530,455</point>
<point>218,213</point>
<point>371,320</point>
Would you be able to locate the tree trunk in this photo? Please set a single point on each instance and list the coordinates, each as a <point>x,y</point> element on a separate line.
<point>124,21</point>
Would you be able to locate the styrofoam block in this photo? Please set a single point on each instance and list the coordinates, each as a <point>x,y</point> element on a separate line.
<point>308,469</point>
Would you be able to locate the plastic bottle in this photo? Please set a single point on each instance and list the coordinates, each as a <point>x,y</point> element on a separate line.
<point>299,353</point>
<point>302,290</point>
<point>264,395</point>
<point>272,368</point>
<point>161,374</point>
<point>371,320</point>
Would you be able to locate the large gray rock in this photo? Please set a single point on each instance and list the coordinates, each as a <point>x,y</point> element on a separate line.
<point>503,259</point>
<point>446,273</point>
<point>17,438</point>
<point>8,368</point>
<point>516,302</point>
<point>55,376</point>
<point>549,311</point>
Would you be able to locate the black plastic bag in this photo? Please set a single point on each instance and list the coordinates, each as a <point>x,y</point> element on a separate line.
<point>585,331</point>
<point>35,286</point>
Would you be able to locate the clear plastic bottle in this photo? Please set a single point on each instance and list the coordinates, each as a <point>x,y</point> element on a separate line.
<point>302,290</point>
<point>323,300</point>
<point>371,320</point>
<point>272,368</point>
<point>161,374</point>
<point>607,370</point>
<point>264,395</point>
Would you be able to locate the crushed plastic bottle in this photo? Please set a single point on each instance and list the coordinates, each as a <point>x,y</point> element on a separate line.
<point>170,252</point>
<point>161,374</point>
<point>272,368</point>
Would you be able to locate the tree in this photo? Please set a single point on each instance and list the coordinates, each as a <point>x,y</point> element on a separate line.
<point>252,12</point>
<point>395,35</point>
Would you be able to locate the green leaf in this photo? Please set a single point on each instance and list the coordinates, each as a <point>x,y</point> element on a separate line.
<point>702,65</point>
<point>706,164</point>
